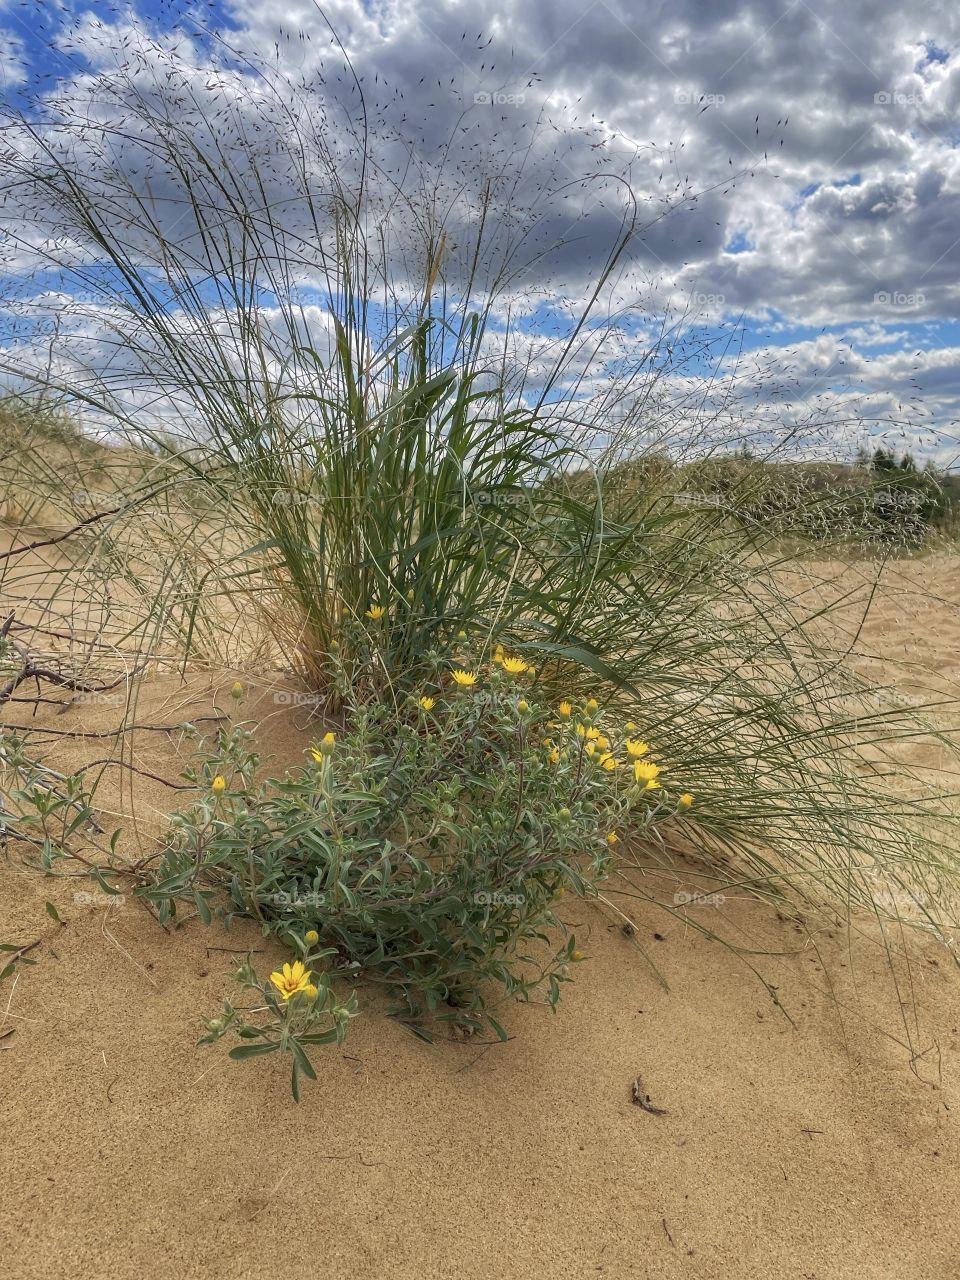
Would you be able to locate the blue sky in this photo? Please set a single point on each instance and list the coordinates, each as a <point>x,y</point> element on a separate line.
<point>814,147</point>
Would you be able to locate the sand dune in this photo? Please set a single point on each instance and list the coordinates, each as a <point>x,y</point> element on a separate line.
<point>804,1149</point>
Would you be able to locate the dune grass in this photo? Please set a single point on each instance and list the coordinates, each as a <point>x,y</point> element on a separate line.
<point>380,468</point>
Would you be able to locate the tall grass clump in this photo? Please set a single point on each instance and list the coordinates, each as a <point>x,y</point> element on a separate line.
<point>393,403</point>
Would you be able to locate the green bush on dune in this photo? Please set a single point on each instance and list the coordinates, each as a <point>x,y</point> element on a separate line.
<point>375,473</point>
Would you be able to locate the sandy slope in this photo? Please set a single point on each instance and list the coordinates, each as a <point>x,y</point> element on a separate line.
<point>803,1150</point>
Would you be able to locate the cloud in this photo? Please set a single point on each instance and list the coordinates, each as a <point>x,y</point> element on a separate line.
<point>817,141</point>
<point>13,67</point>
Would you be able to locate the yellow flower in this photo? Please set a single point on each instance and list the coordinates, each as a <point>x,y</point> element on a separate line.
<point>591,748</point>
<point>612,837</point>
<point>310,991</point>
<point>609,763</point>
<point>295,977</point>
<point>498,653</point>
<point>465,679</point>
<point>316,755</point>
<point>427,702</point>
<point>328,745</point>
<point>311,937</point>
<point>630,725</point>
<point>645,770</point>
<point>523,705</point>
<point>602,742</point>
<point>514,666</point>
<point>566,710</point>
<point>554,756</point>
<point>376,612</point>
<point>636,748</point>
<point>651,785</point>
<point>591,705</point>
<point>685,801</point>
<point>218,784</point>
<point>237,690</point>
<point>581,730</point>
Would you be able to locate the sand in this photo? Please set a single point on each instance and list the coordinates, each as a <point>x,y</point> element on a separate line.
<point>799,1150</point>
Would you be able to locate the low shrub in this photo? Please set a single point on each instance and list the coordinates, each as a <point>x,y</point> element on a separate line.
<point>425,847</point>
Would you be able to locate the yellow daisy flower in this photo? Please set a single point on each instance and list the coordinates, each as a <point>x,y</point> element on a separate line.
<point>237,690</point>
<point>427,702</point>
<point>685,801</point>
<point>554,756</point>
<point>612,837</point>
<point>591,705</point>
<point>636,748</point>
<point>645,770</point>
<point>566,710</point>
<point>514,666</point>
<point>465,679</point>
<point>293,979</point>
<point>376,612</point>
<point>219,784</point>
<point>609,763</point>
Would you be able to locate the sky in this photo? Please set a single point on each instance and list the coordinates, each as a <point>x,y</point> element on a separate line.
<point>795,165</point>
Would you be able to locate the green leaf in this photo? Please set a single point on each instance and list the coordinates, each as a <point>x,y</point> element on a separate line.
<point>241,1051</point>
<point>52,912</point>
<point>306,1066</point>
